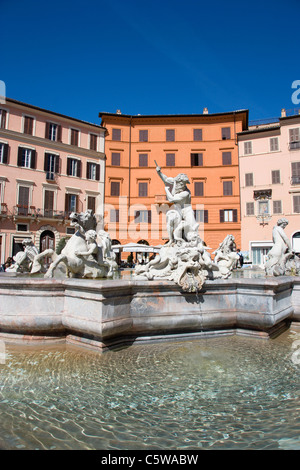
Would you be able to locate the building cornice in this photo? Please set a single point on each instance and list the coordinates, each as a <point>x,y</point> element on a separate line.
<point>50,144</point>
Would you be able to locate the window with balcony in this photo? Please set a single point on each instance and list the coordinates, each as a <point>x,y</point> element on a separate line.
<point>3,153</point>
<point>170,135</point>
<point>26,158</point>
<point>93,171</point>
<point>73,167</point>
<point>228,215</point>
<point>295,173</point>
<point>294,135</point>
<point>48,203</point>
<point>196,159</point>
<point>23,200</point>
<point>226,158</point>
<point>51,165</point>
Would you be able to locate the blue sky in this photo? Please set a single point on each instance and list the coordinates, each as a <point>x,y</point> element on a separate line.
<point>151,57</point>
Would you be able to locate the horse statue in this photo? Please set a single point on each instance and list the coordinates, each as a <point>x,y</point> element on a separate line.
<point>81,255</point>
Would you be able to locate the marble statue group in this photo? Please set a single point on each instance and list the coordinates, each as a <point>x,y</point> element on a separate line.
<point>184,259</point>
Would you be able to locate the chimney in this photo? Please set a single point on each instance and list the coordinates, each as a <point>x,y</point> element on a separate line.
<point>205,111</point>
<point>119,111</point>
<point>283,112</point>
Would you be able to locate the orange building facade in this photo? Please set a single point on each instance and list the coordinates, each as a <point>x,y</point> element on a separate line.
<point>203,146</point>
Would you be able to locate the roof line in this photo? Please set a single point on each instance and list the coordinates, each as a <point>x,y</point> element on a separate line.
<point>64,116</point>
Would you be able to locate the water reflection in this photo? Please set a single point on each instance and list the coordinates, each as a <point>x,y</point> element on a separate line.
<point>218,393</point>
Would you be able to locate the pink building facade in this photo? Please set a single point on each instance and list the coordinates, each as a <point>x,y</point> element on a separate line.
<point>269,165</point>
<point>50,165</point>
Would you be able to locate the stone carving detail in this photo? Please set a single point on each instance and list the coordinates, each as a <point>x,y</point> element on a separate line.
<point>24,259</point>
<point>82,255</point>
<point>281,259</point>
<point>184,259</point>
<point>226,256</point>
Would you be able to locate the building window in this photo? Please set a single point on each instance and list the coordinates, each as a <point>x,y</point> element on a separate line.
<point>3,153</point>
<point>277,207</point>
<point>73,167</point>
<point>93,171</point>
<point>26,158</point>
<point>71,203</point>
<point>116,134</point>
<point>275,176</point>
<point>142,217</point>
<point>248,148</point>
<point>3,115</point>
<point>115,188</point>
<point>226,158</point>
<point>197,135</point>
<point>296,173</point>
<point>199,188</point>
<point>196,159</point>
<point>51,165</point>
<point>93,142</point>
<point>170,135</point>
<point>115,159</point>
<point>91,203</point>
<point>74,137</point>
<point>296,204</point>
<point>274,144</point>
<point>48,203</point>
<point>170,159</point>
<point>143,189</point>
<point>249,208</point>
<point>226,133</point>
<point>53,132</point>
<point>249,179</point>
<point>143,135</point>
<point>201,215</point>
<point>227,188</point>
<point>22,227</point>
<point>115,215</point>
<point>294,138</point>
<point>28,125</point>
<point>23,200</point>
<point>143,159</point>
<point>228,215</point>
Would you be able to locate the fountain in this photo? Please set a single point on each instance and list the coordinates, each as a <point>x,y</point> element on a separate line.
<point>180,294</point>
<point>223,392</point>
